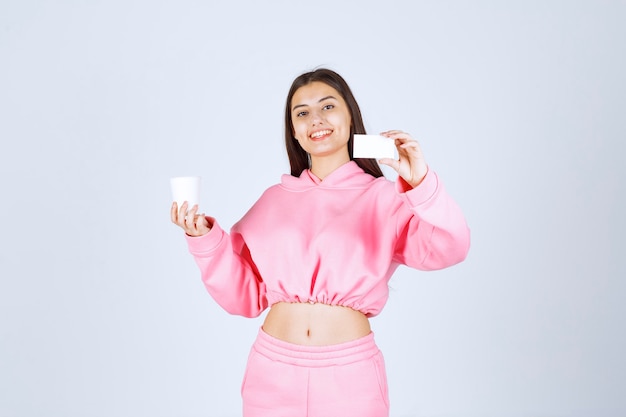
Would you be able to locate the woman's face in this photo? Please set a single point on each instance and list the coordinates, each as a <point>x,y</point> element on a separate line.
<point>321,121</point>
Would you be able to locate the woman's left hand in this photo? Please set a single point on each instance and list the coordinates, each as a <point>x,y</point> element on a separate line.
<point>411,165</point>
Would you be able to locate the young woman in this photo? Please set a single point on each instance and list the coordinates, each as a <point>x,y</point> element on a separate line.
<point>319,249</point>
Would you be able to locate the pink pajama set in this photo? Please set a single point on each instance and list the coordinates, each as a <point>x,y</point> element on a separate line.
<point>337,242</point>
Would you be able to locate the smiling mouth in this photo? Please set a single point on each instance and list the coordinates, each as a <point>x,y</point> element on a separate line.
<point>321,134</point>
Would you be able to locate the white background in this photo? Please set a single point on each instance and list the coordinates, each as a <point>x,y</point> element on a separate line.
<point>520,107</point>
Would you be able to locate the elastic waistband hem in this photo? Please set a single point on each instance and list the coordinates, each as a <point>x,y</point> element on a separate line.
<point>315,356</point>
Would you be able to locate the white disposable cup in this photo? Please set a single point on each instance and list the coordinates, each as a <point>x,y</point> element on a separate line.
<point>186,189</point>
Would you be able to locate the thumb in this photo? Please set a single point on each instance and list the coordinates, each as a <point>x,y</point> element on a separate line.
<point>389,162</point>
<point>203,222</point>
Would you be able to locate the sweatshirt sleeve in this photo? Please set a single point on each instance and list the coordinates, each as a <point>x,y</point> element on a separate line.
<point>228,272</point>
<point>436,234</point>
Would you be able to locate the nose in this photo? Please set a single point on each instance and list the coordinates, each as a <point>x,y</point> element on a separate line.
<point>316,118</point>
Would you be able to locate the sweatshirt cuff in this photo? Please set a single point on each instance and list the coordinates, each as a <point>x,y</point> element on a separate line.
<point>205,244</point>
<point>420,194</point>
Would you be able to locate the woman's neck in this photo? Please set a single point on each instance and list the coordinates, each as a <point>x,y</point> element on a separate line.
<point>322,167</point>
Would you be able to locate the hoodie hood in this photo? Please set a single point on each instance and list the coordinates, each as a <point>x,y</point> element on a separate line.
<point>348,175</point>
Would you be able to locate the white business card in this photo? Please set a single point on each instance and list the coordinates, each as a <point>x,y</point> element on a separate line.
<point>373,146</point>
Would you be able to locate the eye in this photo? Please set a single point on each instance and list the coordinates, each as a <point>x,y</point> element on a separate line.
<point>302,113</point>
<point>329,107</point>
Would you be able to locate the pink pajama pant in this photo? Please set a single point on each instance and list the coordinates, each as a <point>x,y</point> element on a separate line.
<point>287,380</point>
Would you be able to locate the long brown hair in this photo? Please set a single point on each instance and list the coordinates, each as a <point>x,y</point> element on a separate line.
<point>298,158</point>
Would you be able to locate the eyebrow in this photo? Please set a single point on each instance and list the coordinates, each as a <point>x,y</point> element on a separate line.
<point>319,101</point>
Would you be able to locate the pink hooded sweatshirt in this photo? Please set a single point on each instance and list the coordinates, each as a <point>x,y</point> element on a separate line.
<point>336,241</point>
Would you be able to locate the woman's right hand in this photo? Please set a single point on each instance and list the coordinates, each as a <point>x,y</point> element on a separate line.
<point>193,224</point>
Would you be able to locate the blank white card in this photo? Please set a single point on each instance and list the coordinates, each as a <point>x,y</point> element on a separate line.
<point>373,146</point>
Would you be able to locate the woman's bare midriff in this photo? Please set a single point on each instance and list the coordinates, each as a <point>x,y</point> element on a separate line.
<point>315,324</point>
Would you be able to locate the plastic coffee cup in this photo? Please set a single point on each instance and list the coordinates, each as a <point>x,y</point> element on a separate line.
<point>186,189</point>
